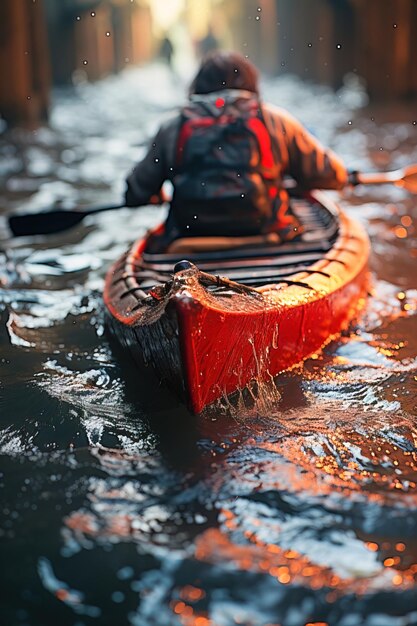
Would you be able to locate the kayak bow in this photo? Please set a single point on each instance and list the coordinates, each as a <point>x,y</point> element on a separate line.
<point>213,325</point>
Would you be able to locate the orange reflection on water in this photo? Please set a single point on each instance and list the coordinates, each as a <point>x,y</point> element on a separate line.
<point>83,523</point>
<point>400,232</point>
<point>343,461</point>
<point>406,221</point>
<point>192,594</point>
<point>188,616</point>
<point>289,566</point>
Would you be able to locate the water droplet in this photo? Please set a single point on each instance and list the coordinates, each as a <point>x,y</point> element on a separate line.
<point>107,34</point>
<point>400,232</point>
<point>156,160</point>
<point>259,9</point>
<point>117,596</point>
<point>275,337</point>
<point>78,18</point>
<point>350,122</point>
<point>395,25</point>
<point>414,122</point>
<point>257,18</point>
<point>85,62</point>
<point>93,14</point>
<point>310,45</point>
<point>125,573</point>
<point>338,46</point>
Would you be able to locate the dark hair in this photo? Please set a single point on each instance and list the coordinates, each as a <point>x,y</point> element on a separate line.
<point>224,70</point>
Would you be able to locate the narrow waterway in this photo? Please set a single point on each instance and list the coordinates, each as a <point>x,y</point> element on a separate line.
<point>120,508</point>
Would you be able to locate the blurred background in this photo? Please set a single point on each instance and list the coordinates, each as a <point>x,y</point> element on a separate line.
<point>120,508</point>
<point>59,42</point>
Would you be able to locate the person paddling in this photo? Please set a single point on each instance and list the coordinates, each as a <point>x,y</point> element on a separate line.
<point>226,153</point>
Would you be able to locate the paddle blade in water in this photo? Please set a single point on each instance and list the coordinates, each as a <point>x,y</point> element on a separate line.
<point>409,179</point>
<point>44,223</point>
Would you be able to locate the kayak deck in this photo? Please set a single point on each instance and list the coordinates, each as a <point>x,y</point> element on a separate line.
<point>253,266</point>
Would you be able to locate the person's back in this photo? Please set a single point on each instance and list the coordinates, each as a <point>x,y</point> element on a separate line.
<point>225,170</point>
<point>226,155</point>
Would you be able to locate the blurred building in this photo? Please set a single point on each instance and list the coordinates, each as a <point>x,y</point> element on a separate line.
<point>24,62</point>
<point>44,42</point>
<point>323,40</point>
<point>97,37</point>
<point>385,46</point>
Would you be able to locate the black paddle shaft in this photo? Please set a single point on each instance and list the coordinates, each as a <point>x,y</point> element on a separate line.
<point>54,221</point>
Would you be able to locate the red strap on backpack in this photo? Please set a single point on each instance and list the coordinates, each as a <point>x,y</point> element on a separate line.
<point>254,123</point>
<point>260,131</point>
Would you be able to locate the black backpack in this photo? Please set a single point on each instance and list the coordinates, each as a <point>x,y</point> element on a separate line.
<point>225,180</point>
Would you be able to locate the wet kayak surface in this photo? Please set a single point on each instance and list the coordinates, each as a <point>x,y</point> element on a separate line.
<point>120,507</point>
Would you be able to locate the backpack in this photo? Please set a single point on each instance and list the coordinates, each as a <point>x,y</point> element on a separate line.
<point>225,169</point>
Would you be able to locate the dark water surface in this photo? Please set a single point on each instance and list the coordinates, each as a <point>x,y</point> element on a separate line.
<point>121,509</point>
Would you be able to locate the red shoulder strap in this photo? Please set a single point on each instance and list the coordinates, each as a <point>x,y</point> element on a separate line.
<point>257,126</point>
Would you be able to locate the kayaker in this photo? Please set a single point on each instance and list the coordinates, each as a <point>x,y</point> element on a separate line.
<point>226,154</point>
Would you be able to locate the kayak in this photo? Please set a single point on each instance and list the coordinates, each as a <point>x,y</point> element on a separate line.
<point>210,322</point>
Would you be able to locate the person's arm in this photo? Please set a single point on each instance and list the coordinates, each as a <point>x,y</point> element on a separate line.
<point>311,164</point>
<point>144,183</point>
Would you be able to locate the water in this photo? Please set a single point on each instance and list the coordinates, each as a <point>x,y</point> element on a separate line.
<point>121,508</point>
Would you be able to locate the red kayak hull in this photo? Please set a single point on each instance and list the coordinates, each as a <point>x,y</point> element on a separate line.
<point>222,344</point>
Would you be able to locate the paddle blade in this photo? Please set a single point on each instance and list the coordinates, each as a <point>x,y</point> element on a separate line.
<point>409,179</point>
<point>44,223</point>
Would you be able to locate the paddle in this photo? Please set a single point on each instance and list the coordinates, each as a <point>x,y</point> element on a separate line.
<point>405,178</point>
<point>56,220</point>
